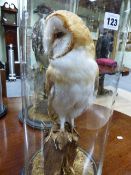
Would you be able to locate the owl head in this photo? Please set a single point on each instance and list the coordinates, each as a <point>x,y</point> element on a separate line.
<point>65,31</point>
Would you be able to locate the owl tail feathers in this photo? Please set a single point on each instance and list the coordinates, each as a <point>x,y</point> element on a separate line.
<point>60,150</point>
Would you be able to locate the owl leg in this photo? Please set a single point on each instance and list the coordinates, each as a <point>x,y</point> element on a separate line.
<point>71,121</point>
<point>62,123</point>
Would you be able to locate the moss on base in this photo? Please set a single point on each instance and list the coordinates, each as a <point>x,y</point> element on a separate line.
<point>37,164</point>
<point>34,115</point>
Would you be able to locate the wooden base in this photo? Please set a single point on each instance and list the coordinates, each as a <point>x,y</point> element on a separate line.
<point>37,120</point>
<point>35,166</point>
<point>41,125</point>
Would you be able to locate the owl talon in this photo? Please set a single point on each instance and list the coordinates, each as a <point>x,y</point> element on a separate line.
<point>74,130</point>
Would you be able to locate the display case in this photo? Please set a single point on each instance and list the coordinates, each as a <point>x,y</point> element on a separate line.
<point>70,68</point>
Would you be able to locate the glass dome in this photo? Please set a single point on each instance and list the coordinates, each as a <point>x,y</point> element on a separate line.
<point>3,108</point>
<point>71,61</point>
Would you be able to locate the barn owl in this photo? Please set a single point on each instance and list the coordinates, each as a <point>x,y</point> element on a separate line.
<point>72,72</point>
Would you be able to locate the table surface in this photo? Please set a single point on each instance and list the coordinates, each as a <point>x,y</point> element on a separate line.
<point>117,156</point>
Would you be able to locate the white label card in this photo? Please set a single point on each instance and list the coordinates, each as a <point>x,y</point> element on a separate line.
<point>111,21</point>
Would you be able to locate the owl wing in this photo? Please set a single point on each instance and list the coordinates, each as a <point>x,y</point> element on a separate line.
<point>50,91</point>
<point>51,95</point>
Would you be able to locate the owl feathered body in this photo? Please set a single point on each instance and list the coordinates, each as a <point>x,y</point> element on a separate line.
<point>72,72</point>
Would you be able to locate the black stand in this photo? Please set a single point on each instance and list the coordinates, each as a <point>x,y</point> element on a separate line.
<point>3,112</point>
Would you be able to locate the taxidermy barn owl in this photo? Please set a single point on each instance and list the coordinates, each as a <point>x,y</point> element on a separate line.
<point>72,72</point>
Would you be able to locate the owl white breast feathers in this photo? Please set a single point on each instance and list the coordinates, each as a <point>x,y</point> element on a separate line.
<point>72,72</point>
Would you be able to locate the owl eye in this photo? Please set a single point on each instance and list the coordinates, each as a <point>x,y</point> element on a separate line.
<point>59,35</point>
